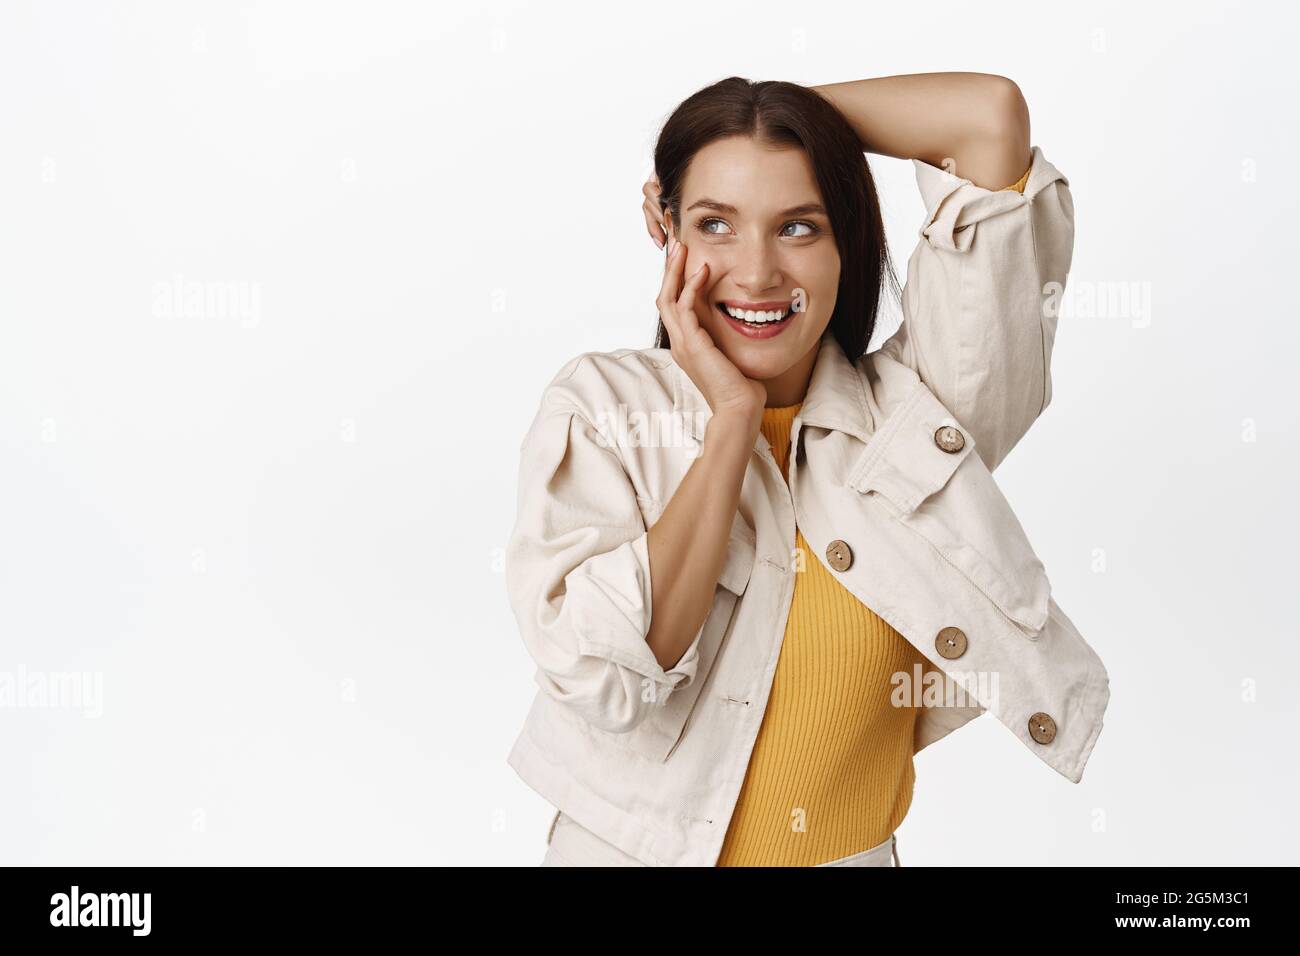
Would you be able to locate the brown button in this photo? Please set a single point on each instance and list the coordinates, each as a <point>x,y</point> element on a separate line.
<point>951,642</point>
<point>1042,728</point>
<point>839,555</point>
<point>950,439</point>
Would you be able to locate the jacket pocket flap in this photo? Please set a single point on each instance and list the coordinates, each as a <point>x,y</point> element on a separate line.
<point>1023,597</point>
<point>970,523</point>
<point>906,461</point>
<point>739,563</point>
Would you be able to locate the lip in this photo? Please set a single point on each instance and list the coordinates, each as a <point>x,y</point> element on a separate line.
<point>767,331</point>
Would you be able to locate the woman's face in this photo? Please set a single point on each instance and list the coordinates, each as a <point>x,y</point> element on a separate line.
<point>756,216</point>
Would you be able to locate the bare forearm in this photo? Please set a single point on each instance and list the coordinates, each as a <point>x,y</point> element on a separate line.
<point>974,124</point>
<point>688,544</point>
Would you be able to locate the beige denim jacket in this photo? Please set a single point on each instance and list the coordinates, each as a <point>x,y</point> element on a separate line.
<point>890,480</point>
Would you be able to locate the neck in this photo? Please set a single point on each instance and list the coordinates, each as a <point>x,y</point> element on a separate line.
<point>790,387</point>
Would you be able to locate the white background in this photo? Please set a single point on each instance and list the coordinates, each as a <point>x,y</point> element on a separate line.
<point>275,534</point>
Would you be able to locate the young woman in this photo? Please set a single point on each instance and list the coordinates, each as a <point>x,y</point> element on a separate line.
<point>760,568</point>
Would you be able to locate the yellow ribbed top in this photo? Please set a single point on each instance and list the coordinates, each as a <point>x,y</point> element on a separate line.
<point>831,771</point>
<point>1019,184</point>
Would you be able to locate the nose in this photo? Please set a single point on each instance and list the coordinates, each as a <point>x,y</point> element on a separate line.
<point>756,268</point>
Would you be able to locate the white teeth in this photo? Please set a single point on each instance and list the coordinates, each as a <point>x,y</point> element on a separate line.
<point>756,317</point>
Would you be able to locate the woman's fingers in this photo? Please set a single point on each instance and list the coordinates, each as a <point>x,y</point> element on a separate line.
<point>668,291</point>
<point>653,213</point>
<point>671,287</point>
<point>686,316</point>
<point>652,223</point>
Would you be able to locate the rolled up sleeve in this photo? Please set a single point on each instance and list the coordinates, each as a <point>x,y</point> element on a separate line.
<point>980,302</point>
<point>578,576</point>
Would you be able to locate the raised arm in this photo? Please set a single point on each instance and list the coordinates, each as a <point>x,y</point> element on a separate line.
<point>991,260</point>
<point>974,125</point>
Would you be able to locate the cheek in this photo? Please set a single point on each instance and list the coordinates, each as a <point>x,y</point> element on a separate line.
<point>819,277</point>
<point>696,258</point>
<point>825,268</point>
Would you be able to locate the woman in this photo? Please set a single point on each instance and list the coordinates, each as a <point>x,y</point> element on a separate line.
<point>710,693</point>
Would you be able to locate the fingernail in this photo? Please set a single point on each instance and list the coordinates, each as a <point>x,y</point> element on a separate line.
<point>658,242</point>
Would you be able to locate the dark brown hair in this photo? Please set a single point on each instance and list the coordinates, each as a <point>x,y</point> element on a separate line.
<point>780,114</point>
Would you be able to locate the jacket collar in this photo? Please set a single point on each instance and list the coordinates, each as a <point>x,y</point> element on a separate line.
<point>836,398</point>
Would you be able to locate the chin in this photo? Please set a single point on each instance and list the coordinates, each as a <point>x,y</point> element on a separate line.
<point>763,360</point>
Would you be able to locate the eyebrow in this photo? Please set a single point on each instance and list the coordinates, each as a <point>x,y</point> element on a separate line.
<point>804,209</point>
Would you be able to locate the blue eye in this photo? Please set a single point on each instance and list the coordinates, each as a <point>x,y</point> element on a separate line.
<point>703,226</point>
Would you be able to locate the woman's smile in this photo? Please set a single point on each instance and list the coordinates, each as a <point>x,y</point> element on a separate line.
<point>760,320</point>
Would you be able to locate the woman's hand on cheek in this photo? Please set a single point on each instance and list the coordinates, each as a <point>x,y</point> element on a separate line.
<point>681,297</point>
